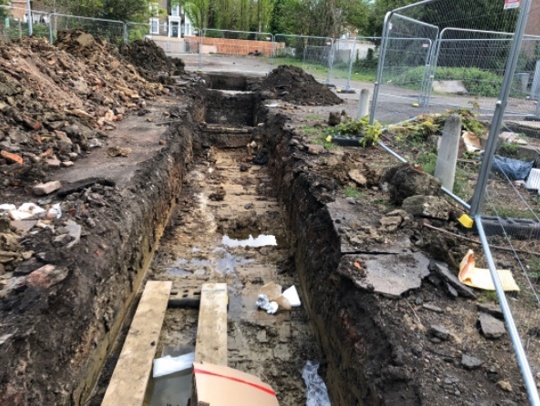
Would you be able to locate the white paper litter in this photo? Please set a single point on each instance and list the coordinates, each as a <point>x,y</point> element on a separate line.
<point>291,294</point>
<point>169,365</point>
<point>25,211</point>
<point>265,304</point>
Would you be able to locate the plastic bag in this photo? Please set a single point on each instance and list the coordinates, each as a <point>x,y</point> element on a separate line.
<point>513,168</point>
<point>317,394</point>
<point>169,365</point>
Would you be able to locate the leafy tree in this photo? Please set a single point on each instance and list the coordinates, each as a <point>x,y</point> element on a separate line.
<point>198,12</point>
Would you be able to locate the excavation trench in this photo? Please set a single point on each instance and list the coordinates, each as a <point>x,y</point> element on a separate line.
<point>247,216</point>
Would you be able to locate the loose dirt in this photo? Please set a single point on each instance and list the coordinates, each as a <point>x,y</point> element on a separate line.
<point>292,84</point>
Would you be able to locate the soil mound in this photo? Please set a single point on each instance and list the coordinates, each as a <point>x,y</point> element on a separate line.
<point>292,84</point>
<point>151,60</point>
<point>57,101</point>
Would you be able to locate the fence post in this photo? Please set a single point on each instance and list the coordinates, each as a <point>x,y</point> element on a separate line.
<point>200,48</point>
<point>29,18</point>
<point>126,34</point>
<point>330,61</point>
<point>500,107</point>
<point>363,104</point>
<point>380,66</point>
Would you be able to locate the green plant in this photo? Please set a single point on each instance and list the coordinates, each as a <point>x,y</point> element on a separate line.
<point>369,134</point>
<point>509,149</point>
<point>478,82</point>
<point>352,192</point>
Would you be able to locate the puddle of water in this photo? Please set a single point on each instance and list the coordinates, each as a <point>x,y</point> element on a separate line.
<point>174,389</point>
<point>177,271</point>
<point>262,240</point>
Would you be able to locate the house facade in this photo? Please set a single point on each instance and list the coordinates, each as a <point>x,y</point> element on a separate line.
<point>175,25</point>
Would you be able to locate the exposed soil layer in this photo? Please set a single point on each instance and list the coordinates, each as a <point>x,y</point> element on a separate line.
<point>292,84</point>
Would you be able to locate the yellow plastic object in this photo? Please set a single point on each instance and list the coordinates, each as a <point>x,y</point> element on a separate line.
<point>329,138</point>
<point>416,104</point>
<point>466,221</point>
<point>480,278</point>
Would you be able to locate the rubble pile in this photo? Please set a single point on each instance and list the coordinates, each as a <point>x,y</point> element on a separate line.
<point>151,60</point>
<point>57,102</point>
<point>292,84</point>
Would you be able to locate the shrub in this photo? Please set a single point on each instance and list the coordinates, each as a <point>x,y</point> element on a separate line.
<point>478,82</point>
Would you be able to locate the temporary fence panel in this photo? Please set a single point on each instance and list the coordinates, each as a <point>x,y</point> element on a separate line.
<point>400,90</point>
<point>313,54</point>
<point>13,23</point>
<point>136,31</point>
<point>245,51</point>
<point>477,64</point>
<point>354,63</point>
<point>111,30</point>
<point>468,70</point>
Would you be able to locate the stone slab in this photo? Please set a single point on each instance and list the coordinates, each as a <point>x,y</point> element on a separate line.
<point>392,275</point>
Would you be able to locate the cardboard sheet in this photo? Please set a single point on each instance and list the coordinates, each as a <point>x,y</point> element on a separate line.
<point>217,385</point>
<point>481,278</point>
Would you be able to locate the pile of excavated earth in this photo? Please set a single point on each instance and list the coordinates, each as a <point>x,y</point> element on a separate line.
<point>57,101</point>
<point>96,154</point>
<point>292,84</point>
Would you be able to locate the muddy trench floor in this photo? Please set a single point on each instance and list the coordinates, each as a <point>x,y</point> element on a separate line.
<point>218,200</point>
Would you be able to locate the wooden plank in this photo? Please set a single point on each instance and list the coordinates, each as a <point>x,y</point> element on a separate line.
<point>130,377</point>
<point>211,345</point>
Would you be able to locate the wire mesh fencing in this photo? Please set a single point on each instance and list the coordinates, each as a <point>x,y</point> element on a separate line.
<point>111,30</point>
<point>313,54</point>
<point>244,51</point>
<point>477,61</point>
<point>14,23</point>
<point>136,31</point>
<point>354,63</point>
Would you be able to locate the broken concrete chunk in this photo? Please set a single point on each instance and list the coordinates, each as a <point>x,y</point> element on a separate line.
<point>470,362</point>
<point>492,309</point>
<point>46,188</point>
<point>405,180</point>
<point>391,223</point>
<point>390,275</point>
<point>490,326</point>
<point>358,177</point>
<point>439,332</point>
<point>427,206</point>
<point>441,269</point>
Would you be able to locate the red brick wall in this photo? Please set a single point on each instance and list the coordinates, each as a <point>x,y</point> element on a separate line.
<point>234,46</point>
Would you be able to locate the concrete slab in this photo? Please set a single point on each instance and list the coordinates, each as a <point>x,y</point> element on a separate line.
<point>449,86</point>
<point>390,275</point>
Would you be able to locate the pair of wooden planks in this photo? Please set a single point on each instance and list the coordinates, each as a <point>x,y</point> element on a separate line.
<point>130,377</point>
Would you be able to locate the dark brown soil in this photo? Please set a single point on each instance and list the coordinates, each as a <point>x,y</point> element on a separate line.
<point>292,84</point>
<point>150,60</point>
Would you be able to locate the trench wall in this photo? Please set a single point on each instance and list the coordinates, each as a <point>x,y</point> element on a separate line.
<point>71,326</point>
<point>362,367</point>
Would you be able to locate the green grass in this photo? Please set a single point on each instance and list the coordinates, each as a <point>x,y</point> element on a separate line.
<point>478,82</point>
<point>352,192</point>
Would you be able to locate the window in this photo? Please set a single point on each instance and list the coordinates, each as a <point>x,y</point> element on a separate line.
<point>175,11</point>
<point>154,26</point>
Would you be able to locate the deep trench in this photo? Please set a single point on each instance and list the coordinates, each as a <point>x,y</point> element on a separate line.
<point>269,197</point>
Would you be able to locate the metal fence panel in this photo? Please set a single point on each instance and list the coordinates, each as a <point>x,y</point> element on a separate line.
<point>404,66</point>
<point>15,23</point>
<point>313,54</point>
<point>136,31</point>
<point>354,63</point>
<point>244,51</point>
<point>112,30</point>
